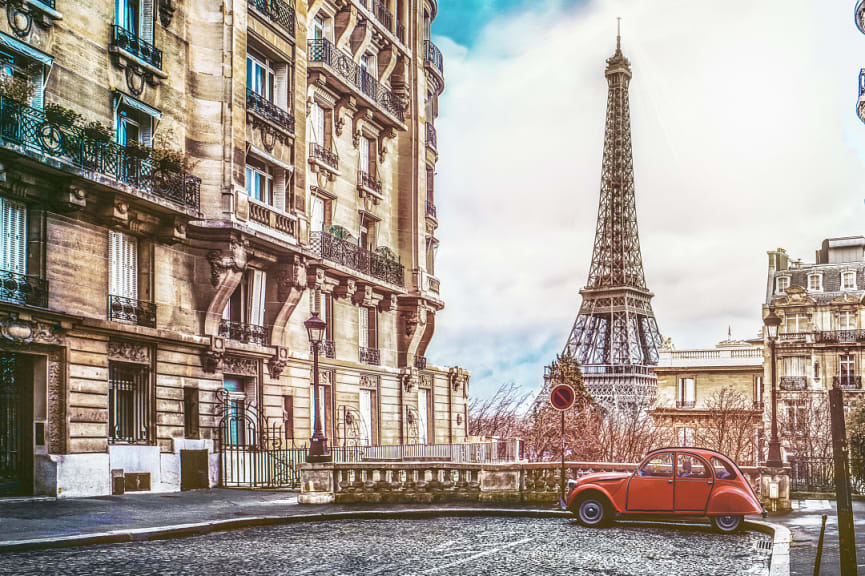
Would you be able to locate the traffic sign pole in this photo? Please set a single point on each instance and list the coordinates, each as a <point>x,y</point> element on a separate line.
<point>562,397</point>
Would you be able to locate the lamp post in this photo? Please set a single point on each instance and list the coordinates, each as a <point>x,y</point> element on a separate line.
<point>772,322</point>
<point>315,328</point>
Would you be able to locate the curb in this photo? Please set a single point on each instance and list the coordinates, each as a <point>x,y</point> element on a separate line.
<point>780,563</point>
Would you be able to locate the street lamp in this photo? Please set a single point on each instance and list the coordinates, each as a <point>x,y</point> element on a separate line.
<point>772,321</point>
<point>315,328</point>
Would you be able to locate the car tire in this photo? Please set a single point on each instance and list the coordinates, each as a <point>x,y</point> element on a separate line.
<point>593,511</point>
<point>727,524</point>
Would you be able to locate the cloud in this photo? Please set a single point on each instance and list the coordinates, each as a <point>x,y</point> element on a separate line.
<point>745,139</point>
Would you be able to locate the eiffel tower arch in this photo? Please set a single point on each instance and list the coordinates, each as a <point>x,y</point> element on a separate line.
<point>615,336</point>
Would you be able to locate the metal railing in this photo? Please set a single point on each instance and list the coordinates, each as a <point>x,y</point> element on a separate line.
<point>29,128</point>
<point>431,136</point>
<point>382,14</point>
<point>322,154</point>
<point>370,356</point>
<point>343,66</point>
<point>839,336</point>
<point>793,383</point>
<point>279,12</point>
<point>326,349</point>
<point>243,332</point>
<point>367,181</point>
<point>49,3</point>
<point>618,369</point>
<point>23,289</point>
<point>357,258</point>
<point>420,362</point>
<point>128,403</point>
<point>685,403</point>
<point>850,381</point>
<point>818,474</point>
<point>433,55</point>
<point>471,453</point>
<point>131,310</point>
<point>263,107</point>
<point>129,41</point>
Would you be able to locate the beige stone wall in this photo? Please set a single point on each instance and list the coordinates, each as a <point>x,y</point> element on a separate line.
<point>708,382</point>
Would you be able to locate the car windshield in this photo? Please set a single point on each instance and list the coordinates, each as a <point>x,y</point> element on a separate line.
<point>723,471</point>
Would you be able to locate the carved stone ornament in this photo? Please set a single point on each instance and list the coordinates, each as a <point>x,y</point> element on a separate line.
<point>166,11</point>
<point>388,303</point>
<point>240,366</point>
<point>277,363</point>
<point>129,352</point>
<point>135,80</point>
<point>268,134</point>
<point>292,275</point>
<point>211,358</point>
<point>346,289</point>
<point>407,378</point>
<point>231,260</point>
<point>412,319</point>
<point>369,381</point>
<point>20,18</point>
<point>325,377</point>
<point>25,332</point>
<point>426,380</point>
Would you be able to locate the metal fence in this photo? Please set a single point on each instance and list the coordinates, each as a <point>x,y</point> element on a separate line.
<point>818,475</point>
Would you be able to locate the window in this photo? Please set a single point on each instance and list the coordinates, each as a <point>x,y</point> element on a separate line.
<point>758,389</point>
<point>723,471</point>
<point>190,413</point>
<point>317,213</point>
<point>686,393</point>
<point>796,419</point>
<point>848,368</point>
<point>136,16</point>
<point>815,283</point>
<point>367,329</point>
<point>128,402</point>
<point>123,265</point>
<point>794,365</point>
<point>134,122</point>
<point>259,181</point>
<point>685,436</point>
<point>259,76</point>
<point>659,466</point>
<point>367,232</point>
<point>423,416</point>
<point>319,119</point>
<point>13,235</point>
<point>236,430</point>
<point>848,280</point>
<point>366,156</point>
<point>847,320</point>
<point>288,416</point>
<point>816,370</point>
<point>319,28</point>
<point>432,246</point>
<point>18,69</point>
<point>247,303</point>
<point>368,64</point>
<point>797,323</point>
<point>689,466</point>
<point>367,417</point>
<point>782,283</point>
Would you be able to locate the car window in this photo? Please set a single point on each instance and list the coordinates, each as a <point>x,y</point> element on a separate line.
<point>723,471</point>
<point>689,466</point>
<point>659,465</point>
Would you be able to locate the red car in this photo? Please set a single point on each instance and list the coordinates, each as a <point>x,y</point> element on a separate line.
<point>671,482</point>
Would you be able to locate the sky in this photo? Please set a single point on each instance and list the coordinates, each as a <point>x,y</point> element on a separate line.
<point>745,139</point>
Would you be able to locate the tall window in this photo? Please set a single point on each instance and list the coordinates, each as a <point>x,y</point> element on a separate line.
<point>235,429</point>
<point>685,436</point>
<point>123,265</point>
<point>317,208</point>
<point>128,402</point>
<point>288,416</point>
<point>367,416</point>
<point>259,181</point>
<point>686,394</point>
<point>847,320</point>
<point>367,329</point>
<point>848,368</point>
<point>797,323</point>
<point>794,366</point>
<point>848,281</point>
<point>815,282</point>
<point>319,28</point>
<point>367,232</point>
<point>423,415</point>
<point>320,125</point>
<point>136,16</point>
<point>259,76</point>
<point>132,124</point>
<point>247,303</point>
<point>13,236</point>
<point>363,159</point>
<point>190,413</point>
<point>368,64</point>
<point>758,389</point>
<point>17,68</point>
<point>782,284</point>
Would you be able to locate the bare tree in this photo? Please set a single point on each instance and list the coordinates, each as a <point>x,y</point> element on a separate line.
<point>498,415</point>
<point>731,426</point>
<point>803,421</point>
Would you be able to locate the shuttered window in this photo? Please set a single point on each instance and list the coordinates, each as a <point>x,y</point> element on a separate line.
<point>423,416</point>
<point>364,155</point>
<point>15,67</point>
<point>123,265</point>
<point>13,231</point>
<point>257,284</point>
<point>136,16</point>
<point>318,124</point>
<point>363,327</point>
<point>317,214</point>
<point>366,417</point>
<point>281,85</point>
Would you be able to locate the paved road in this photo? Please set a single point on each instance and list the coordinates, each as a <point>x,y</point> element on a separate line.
<point>804,523</point>
<point>464,546</point>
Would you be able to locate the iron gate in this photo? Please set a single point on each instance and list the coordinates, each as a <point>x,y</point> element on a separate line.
<point>10,426</point>
<point>255,453</point>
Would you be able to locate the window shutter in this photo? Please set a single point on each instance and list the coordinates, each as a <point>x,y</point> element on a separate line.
<point>366,417</point>
<point>258,282</point>
<point>14,256</point>
<point>279,190</point>
<point>147,131</point>
<point>280,87</point>
<point>680,397</point>
<point>364,155</point>
<point>317,214</point>
<point>363,327</point>
<point>123,265</point>
<point>38,82</point>
<point>147,21</point>
<point>373,327</point>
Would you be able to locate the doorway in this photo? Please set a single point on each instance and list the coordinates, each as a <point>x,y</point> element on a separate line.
<point>16,424</point>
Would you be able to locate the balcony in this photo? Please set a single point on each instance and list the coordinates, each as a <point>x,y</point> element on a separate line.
<point>271,217</point>
<point>243,332</point>
<point>847,382</point>
<point>126,40</point>
<point>277,11</point>
<point>431,137</point>
<point>370,356</point>
<point>367,183</point>
<point>839,336</point>
<point>23,289</point>
<point>685,403</point>
<point>420,362</point>
<point>348,254</point>
<point>382,14</point>
<point>29,128</point>
<point>320,154</point>
<point>266,109</point>
<point>433,56</point>
<point>431,210</point>
<point>326,349</point>
<point>793,383</point>
<point>321,53</point>
<point>795,337</point>
<point>131,310</point>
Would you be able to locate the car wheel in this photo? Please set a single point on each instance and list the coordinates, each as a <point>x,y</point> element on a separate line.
<point>727,524</point>
<point>592,512</point>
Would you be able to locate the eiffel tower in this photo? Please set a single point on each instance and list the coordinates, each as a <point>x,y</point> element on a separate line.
<point>615,336</point>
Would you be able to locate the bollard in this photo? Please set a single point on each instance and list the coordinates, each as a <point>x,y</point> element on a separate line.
<point>819,558</point>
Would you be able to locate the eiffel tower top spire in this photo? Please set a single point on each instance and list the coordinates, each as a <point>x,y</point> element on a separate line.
<point>615,335</point>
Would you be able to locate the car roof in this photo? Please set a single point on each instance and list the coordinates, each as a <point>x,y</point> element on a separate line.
<point>705,452</point>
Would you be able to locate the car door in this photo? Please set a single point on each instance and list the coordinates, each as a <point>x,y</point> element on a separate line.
<point>650,489</point>
<point>693,483</point>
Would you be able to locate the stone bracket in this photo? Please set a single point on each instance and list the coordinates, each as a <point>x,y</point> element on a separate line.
<point>346,288</point>
<point>211,358</point>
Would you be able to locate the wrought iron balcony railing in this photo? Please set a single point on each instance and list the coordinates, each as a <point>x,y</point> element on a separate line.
<point>368,182</point>
<point>433,55</point>
<point>793,383</point>
<point>129,41</point>
<point>431,138</point>
<point>243,332</point>
<point>344,67</point>
<point>322,154</point>
<point>853,382</point>
<point>370,356</point>
<point>23,289</point>
<point>30,129</point>
<point>263,107</point>
<point>131,310</point>
<point>420,362</point>
<point>685,403</point>
<point>431,209</point>
<point>839,336</point>
<point>795,337</point>
<point>326,349</point>
<point>400,32</point>
<point>360,259</point>
<point>277,11</point>
<point>382,14</point>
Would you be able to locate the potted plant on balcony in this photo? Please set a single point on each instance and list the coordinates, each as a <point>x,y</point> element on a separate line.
<point>17,88</point>
<point>61,116</point>
<point>137,150</point>
<point>98,132</point>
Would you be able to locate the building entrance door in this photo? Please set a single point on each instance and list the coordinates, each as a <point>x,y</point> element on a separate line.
<point>15,428</point>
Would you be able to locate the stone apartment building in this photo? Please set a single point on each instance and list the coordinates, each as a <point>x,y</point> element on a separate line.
<point>821,338</point>
<point>233,169</point>
<point>713,397</point>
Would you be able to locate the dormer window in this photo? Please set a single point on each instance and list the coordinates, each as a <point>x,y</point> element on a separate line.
<point>781,284</point>
<point>815,283</point>
<point>848,280</point>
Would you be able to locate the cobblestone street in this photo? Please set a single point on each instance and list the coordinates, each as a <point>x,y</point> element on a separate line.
<point>492,546</point>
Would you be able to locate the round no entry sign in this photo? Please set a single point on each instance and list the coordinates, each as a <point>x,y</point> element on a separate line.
<point>562,396</point>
